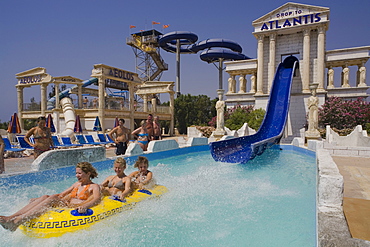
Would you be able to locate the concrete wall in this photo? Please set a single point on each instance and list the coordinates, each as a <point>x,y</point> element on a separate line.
<point>67,157</point>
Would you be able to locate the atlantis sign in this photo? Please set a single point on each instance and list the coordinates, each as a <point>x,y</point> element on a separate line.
<point>290,22</point>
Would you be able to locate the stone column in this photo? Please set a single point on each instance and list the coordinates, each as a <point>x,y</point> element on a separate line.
<point>361,75</point>
<point>260,65</point>
<point>271,70</point>
<point>79,96</point>
<point>20,105</point>
<point>306,61</point>
<point>242,84</point>
<point>172,109</point>
<point>154,104</point>
<point>321,57</point>
<point>101,107</point>
<point>57,99</point>
<point>345,76</point>
<point>330,77</point>
<point>43,98</point>
<point>145,98</point>
<point>232,84</point>
<point>132,105</point>
<point>253,83</point>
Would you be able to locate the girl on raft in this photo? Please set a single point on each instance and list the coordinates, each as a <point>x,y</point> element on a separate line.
<point>142,178</point>
<point>119,184</point>
<point>81,195</point>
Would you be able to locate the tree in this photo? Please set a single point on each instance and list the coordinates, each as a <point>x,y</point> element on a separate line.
<point>191,110</point>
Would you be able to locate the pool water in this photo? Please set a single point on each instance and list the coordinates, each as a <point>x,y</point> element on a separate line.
<point>270,201</point>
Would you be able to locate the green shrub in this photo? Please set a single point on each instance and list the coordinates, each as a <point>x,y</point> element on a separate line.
<point>342,114</point>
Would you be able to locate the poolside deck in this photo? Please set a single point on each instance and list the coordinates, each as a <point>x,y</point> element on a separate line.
<point>356,201</point>
<point>356,197</point>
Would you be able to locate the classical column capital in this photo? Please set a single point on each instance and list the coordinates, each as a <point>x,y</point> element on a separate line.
<point>272,36</point>
<point>322,29</point>
<point>306,31</point>
<point>260,37</point>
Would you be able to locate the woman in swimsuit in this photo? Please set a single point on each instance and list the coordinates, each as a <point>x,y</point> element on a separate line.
<point>143,178</point>
<point>142,135</point>
<point>81,195</point>
<point>42,136</point>
<point>118,184</point>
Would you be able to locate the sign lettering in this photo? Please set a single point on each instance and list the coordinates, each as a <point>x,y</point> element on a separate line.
<point>121,74</point>
<point>294,21</point>
<point>30,79</point>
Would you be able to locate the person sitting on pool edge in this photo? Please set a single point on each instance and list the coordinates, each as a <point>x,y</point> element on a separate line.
<point>82,195</point>
<point>143,178</point>
<point>119,184</point>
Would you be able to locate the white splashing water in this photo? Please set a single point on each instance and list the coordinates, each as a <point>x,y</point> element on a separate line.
<point>269,201</point>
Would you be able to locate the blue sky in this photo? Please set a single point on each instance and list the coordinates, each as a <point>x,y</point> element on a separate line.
<point>68,37</point>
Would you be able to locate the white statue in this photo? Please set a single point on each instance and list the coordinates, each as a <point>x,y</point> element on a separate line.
<point>313,114</point>
<point>362,71</point>
<point>330,78</point>
<point>220,107</point>
<point>345,77</point>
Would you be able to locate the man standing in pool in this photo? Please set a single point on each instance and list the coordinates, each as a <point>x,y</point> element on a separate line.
<point>121,139</point>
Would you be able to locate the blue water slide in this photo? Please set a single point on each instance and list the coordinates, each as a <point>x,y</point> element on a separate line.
<point>214,55</point>
<point>67,92</point>
<point>243,149</point>
<point>168,41</point>
<point>210,43</point>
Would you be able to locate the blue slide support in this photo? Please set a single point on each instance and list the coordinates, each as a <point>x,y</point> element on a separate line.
<point>243,149</point>
<point>67,92</point>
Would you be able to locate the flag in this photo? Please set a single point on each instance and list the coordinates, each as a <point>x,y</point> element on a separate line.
<point>132,26</point>
<point>165,26</point>
<point>153,23</point>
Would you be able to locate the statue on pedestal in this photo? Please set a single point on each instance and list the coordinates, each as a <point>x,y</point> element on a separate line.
<point>313,114</point>
<point>220,107</point>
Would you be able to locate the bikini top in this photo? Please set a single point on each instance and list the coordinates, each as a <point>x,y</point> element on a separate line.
<point>38,136</point>
<point>140,177</point>
<point>143,134</point>
<point>83,195</point>
<point>119,185</point>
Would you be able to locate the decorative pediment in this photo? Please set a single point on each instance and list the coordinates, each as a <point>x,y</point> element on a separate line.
<point>67,79</point>
<point>155,87</point>
<point>102,70</point>
<point>33,76</point>
<point>31,72</point>
<point>291,15</point>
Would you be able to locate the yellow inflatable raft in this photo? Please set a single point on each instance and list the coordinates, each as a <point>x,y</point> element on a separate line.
<point>58,221</point>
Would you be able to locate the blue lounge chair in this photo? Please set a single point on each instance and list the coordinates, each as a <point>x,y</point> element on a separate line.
<point>23,143</point>
<point>9,147</point>
<point>67,141</point>
<point>103,139</point>
<point>90,140</point>
<point>109,139</point>
<point>81,139</point>
<point>57,143</point>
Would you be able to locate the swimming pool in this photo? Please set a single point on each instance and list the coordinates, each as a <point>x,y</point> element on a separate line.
<point>270,201</point>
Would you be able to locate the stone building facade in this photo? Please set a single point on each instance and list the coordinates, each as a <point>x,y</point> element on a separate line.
<point>298,30</point>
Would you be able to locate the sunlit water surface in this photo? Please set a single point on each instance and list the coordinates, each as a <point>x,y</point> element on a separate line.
<point>270,201</point>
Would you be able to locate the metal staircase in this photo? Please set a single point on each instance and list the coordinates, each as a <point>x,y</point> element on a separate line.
<point>149,63</point>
